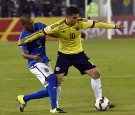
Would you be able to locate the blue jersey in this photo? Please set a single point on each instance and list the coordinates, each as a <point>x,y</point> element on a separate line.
<point>36,46</point>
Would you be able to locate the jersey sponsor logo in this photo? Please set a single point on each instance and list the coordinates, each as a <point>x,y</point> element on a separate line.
<point>57,24</point>
<point>61,22</point>
<point>54,26</point>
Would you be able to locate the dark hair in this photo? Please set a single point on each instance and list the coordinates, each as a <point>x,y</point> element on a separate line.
<point>72,10</point>
<point>25,18</point>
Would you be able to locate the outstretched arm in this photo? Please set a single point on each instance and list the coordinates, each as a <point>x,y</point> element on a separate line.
<point>107,25</point>
<point>32,37</point>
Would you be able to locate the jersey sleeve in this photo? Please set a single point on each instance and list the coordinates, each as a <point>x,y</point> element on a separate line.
<point>87,23</point>
<point>42,25</point>
<point>52,29</point>
<point>23,47</point>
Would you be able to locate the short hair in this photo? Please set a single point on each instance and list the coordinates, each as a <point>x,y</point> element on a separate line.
<point>25,18</point>
<point>72,10</point>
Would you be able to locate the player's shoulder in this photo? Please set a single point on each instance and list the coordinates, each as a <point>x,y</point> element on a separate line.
<point>40,24</point>
<point>82,20</point>
<point>22,34</point>
<point>61,22</point>
<point>85,21</point>
<point>57,24</point>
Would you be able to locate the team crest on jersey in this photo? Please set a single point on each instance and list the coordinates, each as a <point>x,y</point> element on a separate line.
<point>46,69</point>
<point>77,28</point>
<point>57,68</point>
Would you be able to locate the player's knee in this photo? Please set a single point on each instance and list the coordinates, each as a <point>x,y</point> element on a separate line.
<point>94,73</point>
<point>52,77</point>
<point>59,79</point>
<point>97,75</point>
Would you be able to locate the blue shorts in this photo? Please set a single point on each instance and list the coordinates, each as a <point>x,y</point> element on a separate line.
<point>79,61</point>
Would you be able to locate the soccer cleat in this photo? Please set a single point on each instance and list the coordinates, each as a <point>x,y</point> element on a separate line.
<point>57,110</point>
<point>111,105</point>
<point>22,103</point>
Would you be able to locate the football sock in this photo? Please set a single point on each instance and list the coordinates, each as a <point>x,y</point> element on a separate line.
<point>96,86</point>
<point>37,95</point>
<point>58,90</point>
<point>52,90</point>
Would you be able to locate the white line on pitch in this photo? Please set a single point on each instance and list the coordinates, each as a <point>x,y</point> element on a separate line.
<point>82,77</point>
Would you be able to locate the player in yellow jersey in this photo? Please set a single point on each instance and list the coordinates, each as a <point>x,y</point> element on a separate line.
<point>70,52</point>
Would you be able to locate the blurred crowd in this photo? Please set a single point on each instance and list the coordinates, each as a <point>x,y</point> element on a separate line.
<point>118,7</point>
<point>15,8</point>
<point>46,8</point>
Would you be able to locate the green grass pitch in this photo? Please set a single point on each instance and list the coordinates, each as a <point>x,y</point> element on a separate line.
<point>114,58</point>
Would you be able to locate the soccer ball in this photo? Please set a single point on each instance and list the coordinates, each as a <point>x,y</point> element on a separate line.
<point>102,104</point>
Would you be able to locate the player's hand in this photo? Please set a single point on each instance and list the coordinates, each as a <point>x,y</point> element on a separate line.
<point>120,27</point>
<point>20,42</point>
<point>37,58</point>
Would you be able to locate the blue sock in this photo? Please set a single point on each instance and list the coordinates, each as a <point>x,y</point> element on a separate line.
<point>52,90</point>
<point>37,95</point>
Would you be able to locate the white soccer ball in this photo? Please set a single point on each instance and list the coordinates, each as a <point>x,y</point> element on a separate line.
<point>102,104</point>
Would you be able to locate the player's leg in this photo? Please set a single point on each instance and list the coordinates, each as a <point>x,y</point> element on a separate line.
<point>59,81</point>
<point>43,72</point>
<point>23,99</point>
<point>36,95</point>
<point>46,71</point>
<point>85,66</point>
<point>58,90</point>
<point>96,83</point>
<point>61,68</point>
<point>48,79</point>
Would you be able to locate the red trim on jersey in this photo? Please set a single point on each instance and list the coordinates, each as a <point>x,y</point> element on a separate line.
<point>44,32</point>
<point>93,24</point>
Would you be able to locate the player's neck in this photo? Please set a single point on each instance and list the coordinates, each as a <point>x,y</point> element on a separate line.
<point>66,21</point>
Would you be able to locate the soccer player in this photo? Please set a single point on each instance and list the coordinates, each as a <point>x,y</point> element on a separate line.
<point>70,52</point>
<point>38,64</point>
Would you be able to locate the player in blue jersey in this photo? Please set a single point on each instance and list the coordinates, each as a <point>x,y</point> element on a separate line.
<point>38,64</point>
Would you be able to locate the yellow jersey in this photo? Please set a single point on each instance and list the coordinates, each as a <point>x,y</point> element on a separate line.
<point>69,36</point>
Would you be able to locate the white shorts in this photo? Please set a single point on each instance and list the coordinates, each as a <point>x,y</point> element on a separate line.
<point>42,71</point>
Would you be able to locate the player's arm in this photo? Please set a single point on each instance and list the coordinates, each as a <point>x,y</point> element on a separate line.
<point>49,30</point>
<point>97,24</point>
<point>32,37</point>
<point>27,56</point>
<point>107,25</point>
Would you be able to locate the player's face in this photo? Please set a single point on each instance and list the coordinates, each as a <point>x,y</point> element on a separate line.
<point>71,20</point>
<point>29,25</point>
